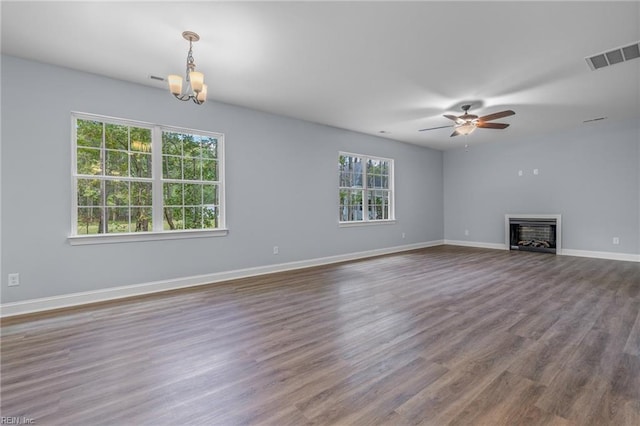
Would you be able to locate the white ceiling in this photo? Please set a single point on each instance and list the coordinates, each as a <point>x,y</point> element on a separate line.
<point>364,66</point>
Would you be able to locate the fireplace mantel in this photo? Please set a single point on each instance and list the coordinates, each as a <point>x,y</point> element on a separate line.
<point>542,217</point>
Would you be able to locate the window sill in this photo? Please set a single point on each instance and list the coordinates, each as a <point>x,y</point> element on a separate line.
<point>367,223</point>
<point>80,240</point>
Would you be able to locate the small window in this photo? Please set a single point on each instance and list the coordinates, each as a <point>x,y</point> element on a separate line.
<point>365,188</point>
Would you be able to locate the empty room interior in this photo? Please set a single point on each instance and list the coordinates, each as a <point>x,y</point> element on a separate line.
<point>320,213</point>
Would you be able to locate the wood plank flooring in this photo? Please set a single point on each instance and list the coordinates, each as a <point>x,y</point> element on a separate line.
<point>439,336</point>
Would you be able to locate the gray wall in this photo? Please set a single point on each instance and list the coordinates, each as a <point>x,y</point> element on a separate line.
<point>281,184</point>
<point>590,175</point>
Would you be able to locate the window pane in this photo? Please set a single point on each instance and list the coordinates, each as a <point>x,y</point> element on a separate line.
<point>171,167</point>
<point>171,143</point>
<point>210,170</point>
<point>89,192</point>
<point>209,217</point>
<point>140,139</point>
<point>89,220</point>
<point>117,193</point>
<point>192,168</point>
<point>190,146</point>
<point>192,194</point>
<point>357,179</point>
<point>193,217</point>
<point>343,179</point>
<point>140,165</point>
<point>354,213</point>
<point>210,148</point>
<point>342,163</point>
<point>173,218</point>
<point>117,219</point>
<point>377,181</point>
<point>384,168</point>
<point>89,161</point>
<point>117,163</point>
<point>210,194</point>
<point>378,205</point>
<point>351,180</point>
<point>89,133</point>
<point>141,219</point>
<point>141,193</point>
<point>116,136</point>
<point>350,205</point>
<point>173,194</point>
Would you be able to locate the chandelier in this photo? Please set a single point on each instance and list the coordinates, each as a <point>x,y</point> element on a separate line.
<point>196,90</point>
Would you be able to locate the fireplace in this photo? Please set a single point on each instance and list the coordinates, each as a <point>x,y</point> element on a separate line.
<point>540,233</point>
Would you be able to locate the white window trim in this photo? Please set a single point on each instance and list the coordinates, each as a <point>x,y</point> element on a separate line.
<point>343,224</point>
<point>158,232</point>
<point>81,240</point>
<point>392,202</point>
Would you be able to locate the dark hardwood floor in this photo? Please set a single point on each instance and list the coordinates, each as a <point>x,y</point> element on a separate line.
<point>439,336</point>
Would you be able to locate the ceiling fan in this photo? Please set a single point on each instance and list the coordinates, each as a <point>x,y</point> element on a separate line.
<point>466,123</point>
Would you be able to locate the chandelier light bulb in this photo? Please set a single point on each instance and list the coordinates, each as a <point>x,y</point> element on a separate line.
<point>197,80</point>
<point>175,84</point>
<point>202,95</point>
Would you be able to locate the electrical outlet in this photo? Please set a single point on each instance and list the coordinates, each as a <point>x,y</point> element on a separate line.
<point>616,240</point>
<point>466,232</point>
<point>519,172</point>
<point>403,235</point>
<point>276,250</point>
<point>14,280</point>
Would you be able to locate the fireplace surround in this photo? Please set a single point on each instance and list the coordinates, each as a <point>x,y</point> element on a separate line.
<point>533,232</point>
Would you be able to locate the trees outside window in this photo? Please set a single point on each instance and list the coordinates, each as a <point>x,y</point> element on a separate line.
<point>132,177</point>
<point>190,181</point>
<point>365,188</point>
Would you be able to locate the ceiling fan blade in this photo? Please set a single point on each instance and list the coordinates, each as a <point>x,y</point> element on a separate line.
<point>451,117</point>
<point>455,133</point>
<point>492,125</point>
<point>434,128</point>
<point>496,115</point>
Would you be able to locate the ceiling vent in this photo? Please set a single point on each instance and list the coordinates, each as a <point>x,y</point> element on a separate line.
<point>614,56</point>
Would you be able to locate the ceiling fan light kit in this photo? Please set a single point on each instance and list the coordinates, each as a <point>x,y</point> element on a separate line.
<point>465,128</point>
<point>466,123</point>
<point>196,89</point>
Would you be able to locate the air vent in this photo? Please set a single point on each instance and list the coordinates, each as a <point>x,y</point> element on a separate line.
<point>155,77</point>
<point>591,120</point>
<point>614,56</point>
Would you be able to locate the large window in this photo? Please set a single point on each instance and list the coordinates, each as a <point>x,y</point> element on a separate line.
<point>132,177</point>
<point>366,188</point>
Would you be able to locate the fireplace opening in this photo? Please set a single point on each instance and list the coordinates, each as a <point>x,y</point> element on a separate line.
<point>533,234</point>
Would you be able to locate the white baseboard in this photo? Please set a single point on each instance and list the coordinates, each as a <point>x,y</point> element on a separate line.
<point>495,246</point>
<point>75,299</point>
<point>627,257</point>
